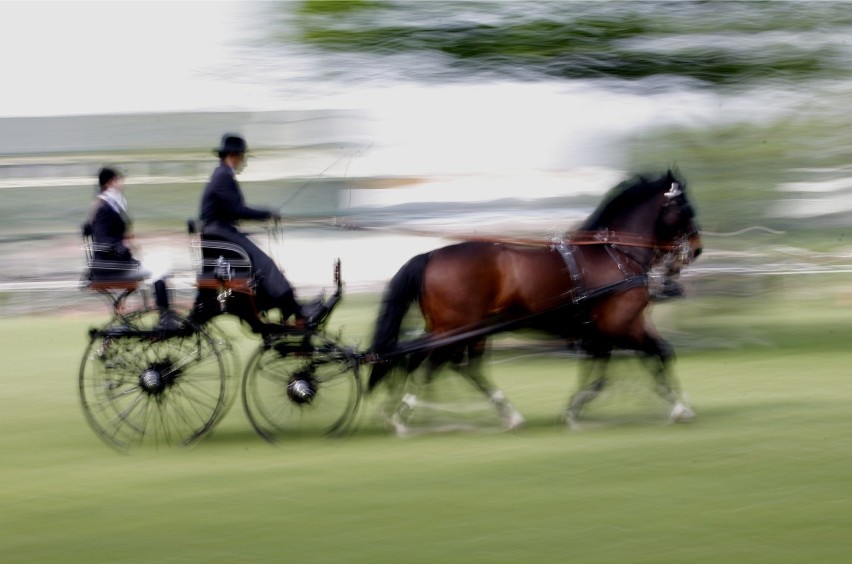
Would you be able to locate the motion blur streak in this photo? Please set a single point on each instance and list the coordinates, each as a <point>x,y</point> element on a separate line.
<point>455,117</point>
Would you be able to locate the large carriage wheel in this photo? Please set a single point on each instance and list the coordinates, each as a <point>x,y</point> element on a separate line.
<point>144,387</point>
<point>230,360</point>
<point>292,390</point>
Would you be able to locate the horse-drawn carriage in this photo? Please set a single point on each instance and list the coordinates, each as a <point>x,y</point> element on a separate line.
<point>143,383</point>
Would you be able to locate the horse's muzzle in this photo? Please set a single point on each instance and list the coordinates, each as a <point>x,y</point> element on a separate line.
<point>695,248</point>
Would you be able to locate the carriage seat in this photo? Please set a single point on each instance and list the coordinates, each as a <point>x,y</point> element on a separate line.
<point>219,264</point>
<point>103,274</point>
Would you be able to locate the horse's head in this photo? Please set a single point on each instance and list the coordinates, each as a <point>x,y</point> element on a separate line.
<point>655,211</point>
<point>675,228</point>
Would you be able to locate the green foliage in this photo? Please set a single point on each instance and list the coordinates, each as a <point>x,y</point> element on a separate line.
<point>581,40</point>
<point>334,7</point>
<point>734,171</point>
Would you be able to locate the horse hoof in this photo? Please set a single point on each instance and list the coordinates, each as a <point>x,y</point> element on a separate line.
<point>571,421</point>
<point>681,413</point>
<point>515,421</point>
<point>401,429</point>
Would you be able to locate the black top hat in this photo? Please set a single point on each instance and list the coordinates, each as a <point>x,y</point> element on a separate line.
<point>232,144</point>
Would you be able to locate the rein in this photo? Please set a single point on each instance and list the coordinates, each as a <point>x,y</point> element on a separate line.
<point>607,237</point>
<point>579,238</point>
<point>600,237</point>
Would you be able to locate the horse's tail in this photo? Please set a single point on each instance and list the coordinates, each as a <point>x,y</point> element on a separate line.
<point>404,288</point>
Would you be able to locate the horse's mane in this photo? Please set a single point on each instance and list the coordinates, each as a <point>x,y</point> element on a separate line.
<point>626,196</point>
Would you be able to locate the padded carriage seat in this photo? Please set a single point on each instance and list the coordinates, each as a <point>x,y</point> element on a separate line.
<point>220,264</point>
<point>101,273</point>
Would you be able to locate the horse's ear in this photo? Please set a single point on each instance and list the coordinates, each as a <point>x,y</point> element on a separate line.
<point>672,178</point>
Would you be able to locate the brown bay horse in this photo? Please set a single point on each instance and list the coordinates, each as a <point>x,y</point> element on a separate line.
<point>591,288</point>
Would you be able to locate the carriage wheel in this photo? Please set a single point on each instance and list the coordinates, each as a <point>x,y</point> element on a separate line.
<point>291,391</point>
<point>149,389</point>
<point>230,360</point>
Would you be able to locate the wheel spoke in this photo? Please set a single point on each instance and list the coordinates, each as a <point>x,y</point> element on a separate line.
<point>145,389</point>
<point>123,417</point>
<point>326,398</point>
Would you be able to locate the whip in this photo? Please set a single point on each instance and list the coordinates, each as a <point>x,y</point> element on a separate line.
<point>348,154</point>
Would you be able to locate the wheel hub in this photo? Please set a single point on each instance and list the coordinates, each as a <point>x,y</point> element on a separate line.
<point>157,377</point>
<point>152,381</point>
<point>301,389</point>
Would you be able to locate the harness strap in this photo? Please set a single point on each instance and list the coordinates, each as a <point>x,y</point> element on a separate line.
<point>574,270</point>
<point>616,287</point>
<point>579,292</point>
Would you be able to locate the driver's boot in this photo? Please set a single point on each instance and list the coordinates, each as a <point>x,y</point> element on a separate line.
<point>288,306</point>
<point>169,320</point>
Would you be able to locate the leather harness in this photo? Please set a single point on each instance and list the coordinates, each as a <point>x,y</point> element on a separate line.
<point>567,250</point>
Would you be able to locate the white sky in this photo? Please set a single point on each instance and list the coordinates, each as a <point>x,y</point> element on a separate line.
<point>77,58</point>
<point>74,57</point>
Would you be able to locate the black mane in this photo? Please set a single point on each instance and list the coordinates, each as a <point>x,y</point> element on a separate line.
<point>627,196</point>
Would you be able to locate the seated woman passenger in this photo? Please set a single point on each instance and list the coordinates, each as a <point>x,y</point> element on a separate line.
<point>111,234</point>
<point>110,227</point>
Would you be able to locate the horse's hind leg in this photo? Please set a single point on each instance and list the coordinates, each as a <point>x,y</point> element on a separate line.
<point>592,382</point>
<point>511,417</point>
<point>404,398</point>
<point>393,409</point>
<point>658,358</point>
<point>474,373</point>
<point>467,361</point>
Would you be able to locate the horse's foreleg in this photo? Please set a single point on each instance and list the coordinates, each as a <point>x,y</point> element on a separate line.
<point>658,356</point>
<point>511,417</point>
<point>592,382</point>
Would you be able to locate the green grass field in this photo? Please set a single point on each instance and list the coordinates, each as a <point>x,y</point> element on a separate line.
<point>762,475</point>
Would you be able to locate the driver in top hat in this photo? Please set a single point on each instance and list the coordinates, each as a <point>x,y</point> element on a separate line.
<point>223,206</point>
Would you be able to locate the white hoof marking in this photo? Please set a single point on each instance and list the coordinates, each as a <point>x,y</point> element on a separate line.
<point>514,421</point>
<point>571,421</point>
<point>401,429</point>
<point>681,413</point>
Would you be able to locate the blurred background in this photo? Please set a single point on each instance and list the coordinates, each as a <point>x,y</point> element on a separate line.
<point>386,128</point>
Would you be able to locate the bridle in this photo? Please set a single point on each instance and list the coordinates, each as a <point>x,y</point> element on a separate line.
<point>674,252</point>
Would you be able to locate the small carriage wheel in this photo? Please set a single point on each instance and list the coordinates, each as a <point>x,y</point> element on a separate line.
<point>293,389</point>
<point>143,387</point>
